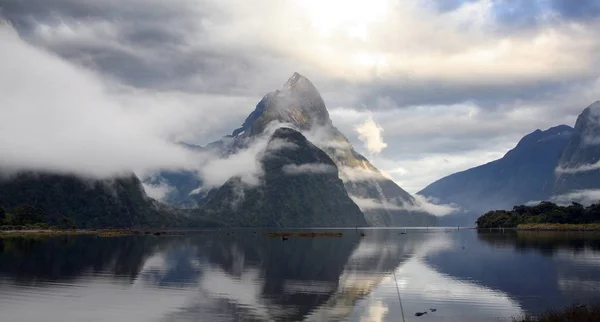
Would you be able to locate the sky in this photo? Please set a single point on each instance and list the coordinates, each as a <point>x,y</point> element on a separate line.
<point>423,88</point>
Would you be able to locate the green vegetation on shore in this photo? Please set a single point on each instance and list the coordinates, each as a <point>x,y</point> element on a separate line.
<point>27,217</point>
<point>560,227</point>
<point>543,216</point>
<point>575,313</point>
<point>34,233</point>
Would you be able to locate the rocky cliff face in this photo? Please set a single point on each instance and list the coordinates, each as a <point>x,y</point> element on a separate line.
<point>578,167</point>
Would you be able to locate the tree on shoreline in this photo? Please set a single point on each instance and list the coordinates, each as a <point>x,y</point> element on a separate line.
<point>544,212</point>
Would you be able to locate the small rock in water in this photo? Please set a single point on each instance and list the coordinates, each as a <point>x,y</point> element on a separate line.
<point>432,310</point>
<point>420,313</point>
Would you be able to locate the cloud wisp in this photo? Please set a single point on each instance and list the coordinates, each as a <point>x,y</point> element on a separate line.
<point>158,191</point>
<point>309,168</point>
<point>421,205</point>
<point>579,169</point>
<point>372,135</point>
<point>585,197</point>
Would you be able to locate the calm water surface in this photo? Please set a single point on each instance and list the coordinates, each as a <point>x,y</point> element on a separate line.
<point>245,276</point>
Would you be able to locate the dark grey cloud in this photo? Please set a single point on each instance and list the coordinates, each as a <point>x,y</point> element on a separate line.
<point>140,43</point>
<point>150,44</point>
<point>138,28</point>
<point>411,93</point>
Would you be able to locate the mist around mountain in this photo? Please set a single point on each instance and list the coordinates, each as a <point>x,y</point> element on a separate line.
<point>300,188</point>
<point>54,199</point>
<point>299,106</point>
<point>559,164</point>
<point>579,165</point>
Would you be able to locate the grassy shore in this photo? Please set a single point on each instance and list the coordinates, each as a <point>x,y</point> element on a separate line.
<point>575,313</point>
<point>560,227</point>
<point>97,232</point>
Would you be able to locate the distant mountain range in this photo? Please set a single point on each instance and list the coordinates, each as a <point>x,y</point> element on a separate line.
<point>544,165</point>
<point>310,175</point>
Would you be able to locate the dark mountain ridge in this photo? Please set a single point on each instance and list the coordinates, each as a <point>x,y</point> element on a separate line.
<point>582,151</point>
<point>529,172</point>
<point>300,188</point>
<point>90,203</point>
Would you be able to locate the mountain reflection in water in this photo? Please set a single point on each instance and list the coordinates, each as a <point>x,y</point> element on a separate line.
<point>243,275</point>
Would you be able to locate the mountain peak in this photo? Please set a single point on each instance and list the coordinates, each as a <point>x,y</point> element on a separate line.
<point>589,119</point>
<point>298,102</point>
<point>538,136</point>
<point>594,107</point>
<point>294,79</point>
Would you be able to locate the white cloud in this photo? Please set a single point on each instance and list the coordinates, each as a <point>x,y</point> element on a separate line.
<point>245,163</point>
<point>359,174</point>
<point>582,168</point>
<point>316,168</point>
<point>372,135</point>
<point>427,205</point>
<point>323,138</point>
<point>58,117</point>
<point>370,203</point>
<point>422,204</point>
<point>157,191</point>
<point>279,144</point>
<point>414,42</point>
<point>585,197</point>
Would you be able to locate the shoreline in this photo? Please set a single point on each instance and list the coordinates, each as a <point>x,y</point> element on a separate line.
<point>548,227</point>
<point>97,232</point>
<point>559,227</point>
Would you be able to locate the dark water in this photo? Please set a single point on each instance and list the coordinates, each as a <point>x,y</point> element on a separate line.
<point>245,276</point>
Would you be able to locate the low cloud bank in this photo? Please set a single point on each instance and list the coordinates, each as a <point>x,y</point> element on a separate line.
<point>356,174</point>
<point>314,168</point>
<point>584,197</point>
<point>244,163</point>
<point>58,117</point>
<point>428,205</point>
<point>422,204</point>
<point>371,203</point>
<point>582,168</point>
